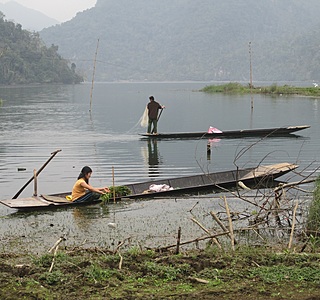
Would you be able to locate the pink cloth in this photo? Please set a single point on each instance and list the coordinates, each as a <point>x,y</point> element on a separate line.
<point>214,130</point>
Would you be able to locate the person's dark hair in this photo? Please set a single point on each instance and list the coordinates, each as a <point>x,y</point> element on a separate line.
<point>151,98</point>
<point>85,170</point>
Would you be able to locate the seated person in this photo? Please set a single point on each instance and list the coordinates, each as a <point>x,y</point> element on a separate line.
<point>82,191</point>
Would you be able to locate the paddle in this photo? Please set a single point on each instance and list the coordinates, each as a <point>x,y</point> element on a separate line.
<point>53,154</point>
<point>158,118</point>
<point>160,113</point>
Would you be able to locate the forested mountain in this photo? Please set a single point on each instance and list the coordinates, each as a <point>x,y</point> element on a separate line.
<point>194,39</point>
<point>24,58</point>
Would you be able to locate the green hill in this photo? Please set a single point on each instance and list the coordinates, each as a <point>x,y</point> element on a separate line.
<point>194,39</point>
<point>24,58</point>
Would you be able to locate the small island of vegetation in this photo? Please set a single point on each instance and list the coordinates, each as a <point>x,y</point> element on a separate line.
<point>274,89</point>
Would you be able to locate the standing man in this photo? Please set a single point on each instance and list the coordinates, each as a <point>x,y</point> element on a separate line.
<point>153,109</point>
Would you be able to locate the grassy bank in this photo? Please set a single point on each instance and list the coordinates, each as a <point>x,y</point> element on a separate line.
<point>246,273</point>
<point>237,88</point>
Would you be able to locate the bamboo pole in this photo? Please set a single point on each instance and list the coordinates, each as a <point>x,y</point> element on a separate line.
<point>230,222</point>
<point>207,231</point>
<point>178,240</point>
<point>93,74</point>
<point>251,85</point>
<point>224,228</point>
<point>114,190</point>
<point>35,180</point>
<point>293,224</point>
<point>53,154</point>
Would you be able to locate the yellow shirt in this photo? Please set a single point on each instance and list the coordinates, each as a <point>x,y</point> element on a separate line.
<point>78,191</point>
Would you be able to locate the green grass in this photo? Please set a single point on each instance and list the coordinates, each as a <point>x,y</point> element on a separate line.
<point>246,273</point>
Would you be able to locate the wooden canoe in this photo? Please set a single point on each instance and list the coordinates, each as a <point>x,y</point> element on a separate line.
<point>263,132</point>
<point>252,177</point>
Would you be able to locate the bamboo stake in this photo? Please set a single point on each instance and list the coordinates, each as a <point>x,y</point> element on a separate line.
<point>121,260</point>
<point>94,70</point>
<point>224,228</point>
<point>230,223</point>
<point>293,224</point>
<point>207,231</point>
<point>251,85</point>
<point>35,180</point>
<point>178,240</point>
<point>114,190</point>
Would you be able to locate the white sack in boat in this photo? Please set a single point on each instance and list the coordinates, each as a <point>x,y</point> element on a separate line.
<point>160,187</point>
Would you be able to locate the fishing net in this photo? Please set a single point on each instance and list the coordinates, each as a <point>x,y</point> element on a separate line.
<point>144,118</point>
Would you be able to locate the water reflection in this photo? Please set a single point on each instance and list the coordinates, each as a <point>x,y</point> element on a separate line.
<point>153,158</point>
<point>210,145</point>
<point>84,216</point>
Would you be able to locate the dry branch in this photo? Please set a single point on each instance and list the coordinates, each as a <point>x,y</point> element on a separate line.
<point>54,258</point>
<point>61,239</point>
<point>291,184</point>
<point>192,241</point>
<point>121,260</point>
<point>121,244</point>
<point>199,280</point>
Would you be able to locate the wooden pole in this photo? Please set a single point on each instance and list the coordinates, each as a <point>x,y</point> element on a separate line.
<point>221,224</point>
<point>293,224</point>
<point>230,223</point>
<point>207,231</point>
<point>251,85</point>
<point>35,192</point>
<point>158,118</point>
<point>178,240</point>
<point>114,190</point>
<point>93,74</point>
<point>32,178</point>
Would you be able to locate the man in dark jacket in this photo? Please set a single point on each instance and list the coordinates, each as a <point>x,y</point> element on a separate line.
<point>153,109</point>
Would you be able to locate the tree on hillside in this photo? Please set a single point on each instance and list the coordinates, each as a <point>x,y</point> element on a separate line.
<point>24,58</point>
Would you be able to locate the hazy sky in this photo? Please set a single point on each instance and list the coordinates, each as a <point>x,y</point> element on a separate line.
<point>61,10</point>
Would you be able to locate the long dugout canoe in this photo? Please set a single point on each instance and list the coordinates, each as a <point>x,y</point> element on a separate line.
<point>254,177</point>
<point>262,132</point>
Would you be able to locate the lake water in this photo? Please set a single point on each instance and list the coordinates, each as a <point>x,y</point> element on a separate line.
<point>38,120</point>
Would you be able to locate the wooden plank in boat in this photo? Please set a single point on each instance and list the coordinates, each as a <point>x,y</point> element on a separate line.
<point>26,202</point>
<point>275,169</point>
<point>55,199</point>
